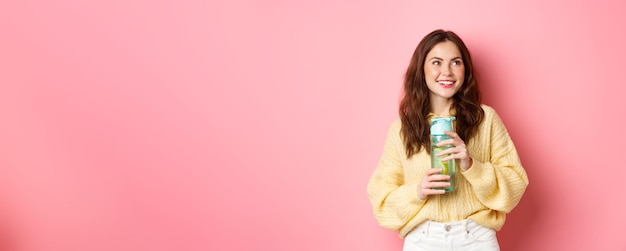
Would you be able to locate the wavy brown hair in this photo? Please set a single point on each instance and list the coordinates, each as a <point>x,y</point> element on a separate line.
<point>415,104</point>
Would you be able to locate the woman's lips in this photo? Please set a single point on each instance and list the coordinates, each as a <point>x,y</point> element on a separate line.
<point>446,83</point>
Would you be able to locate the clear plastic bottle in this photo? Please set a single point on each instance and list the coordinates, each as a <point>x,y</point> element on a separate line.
<point>437,128</point>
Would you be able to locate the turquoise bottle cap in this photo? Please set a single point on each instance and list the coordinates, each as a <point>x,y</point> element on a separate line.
<point>438,125</point>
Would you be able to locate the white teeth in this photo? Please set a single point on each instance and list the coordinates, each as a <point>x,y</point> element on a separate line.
<point>445,82</point>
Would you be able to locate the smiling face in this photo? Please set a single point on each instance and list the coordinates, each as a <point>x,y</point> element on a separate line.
<point>444,71</point>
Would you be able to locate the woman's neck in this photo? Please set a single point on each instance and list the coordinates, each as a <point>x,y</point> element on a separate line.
<point>441,107</point>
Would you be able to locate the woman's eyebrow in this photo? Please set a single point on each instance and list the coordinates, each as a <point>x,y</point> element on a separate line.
<point>438,58</point>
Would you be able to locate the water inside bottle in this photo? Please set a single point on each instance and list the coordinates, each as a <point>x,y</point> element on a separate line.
<point>448,167</point>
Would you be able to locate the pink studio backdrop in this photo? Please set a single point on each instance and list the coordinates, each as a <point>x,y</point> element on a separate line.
<point>255,125</point>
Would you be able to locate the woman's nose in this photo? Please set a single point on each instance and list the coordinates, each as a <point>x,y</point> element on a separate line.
<point>446,71</point>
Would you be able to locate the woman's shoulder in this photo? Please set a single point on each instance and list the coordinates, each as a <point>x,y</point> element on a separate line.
<point>396,125</point>
<point>490,112</point>
<point>491,116</point>
<point>488,109</point>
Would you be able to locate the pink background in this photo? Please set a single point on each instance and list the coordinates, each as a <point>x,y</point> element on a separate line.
<point>255,125</point>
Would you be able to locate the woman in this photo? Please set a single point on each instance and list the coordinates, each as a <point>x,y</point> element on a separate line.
<point>406,193</point>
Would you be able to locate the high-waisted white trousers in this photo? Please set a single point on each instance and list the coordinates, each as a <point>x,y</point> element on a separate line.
<point>463,235</point>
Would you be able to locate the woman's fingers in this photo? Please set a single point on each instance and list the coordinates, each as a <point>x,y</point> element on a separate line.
<point>431,182</point>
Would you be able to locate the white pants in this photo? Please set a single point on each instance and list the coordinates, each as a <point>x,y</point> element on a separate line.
<point>451,236</point>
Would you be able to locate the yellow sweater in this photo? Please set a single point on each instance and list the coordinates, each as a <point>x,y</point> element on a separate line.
<point>485,193</point>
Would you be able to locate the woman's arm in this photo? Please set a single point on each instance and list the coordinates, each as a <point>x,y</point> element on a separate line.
<point>499,182</point>
<point>393,201</point>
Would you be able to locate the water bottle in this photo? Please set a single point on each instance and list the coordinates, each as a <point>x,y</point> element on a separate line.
<point>437,127</point>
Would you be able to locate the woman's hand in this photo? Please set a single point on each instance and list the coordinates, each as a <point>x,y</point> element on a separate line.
<point>432,180</point>
<point>458,151</point>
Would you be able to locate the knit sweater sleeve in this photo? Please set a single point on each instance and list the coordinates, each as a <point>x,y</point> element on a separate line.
<point>394,202</point>
<point>498,181</point>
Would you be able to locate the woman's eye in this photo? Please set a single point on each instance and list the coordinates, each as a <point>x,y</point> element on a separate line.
<point>457,62</point>
<point>436,63</point>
